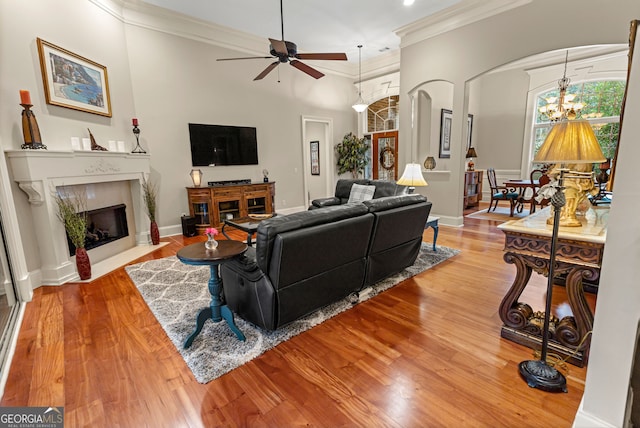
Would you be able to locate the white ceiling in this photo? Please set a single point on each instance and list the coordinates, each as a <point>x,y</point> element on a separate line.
<point>315,25</point>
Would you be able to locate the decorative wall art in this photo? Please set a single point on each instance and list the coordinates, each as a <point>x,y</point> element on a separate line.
<point>315,157</point>
<point>446,117</point>
<point>73,81</point>
<point>469,129</point>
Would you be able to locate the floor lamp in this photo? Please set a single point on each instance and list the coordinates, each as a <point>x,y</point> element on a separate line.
<point>568,142</point>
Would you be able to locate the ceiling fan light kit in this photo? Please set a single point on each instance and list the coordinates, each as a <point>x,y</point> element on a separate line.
<point>285,51</point>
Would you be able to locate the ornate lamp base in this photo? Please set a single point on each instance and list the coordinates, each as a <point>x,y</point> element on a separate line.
<point>539,374</point>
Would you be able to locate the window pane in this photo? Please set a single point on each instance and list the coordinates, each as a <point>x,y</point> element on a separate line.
<point>602,103</point>
<point>607,135</point>
<point>382,115</point>
<point>540,135</point>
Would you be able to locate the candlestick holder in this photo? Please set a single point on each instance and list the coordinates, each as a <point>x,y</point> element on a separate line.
<point>138,148</point>
<point>30,130</point>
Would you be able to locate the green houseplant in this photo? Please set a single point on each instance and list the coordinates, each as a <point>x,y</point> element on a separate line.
<point>150,194</point>
<point>72,212</point>
<point>351,155</point>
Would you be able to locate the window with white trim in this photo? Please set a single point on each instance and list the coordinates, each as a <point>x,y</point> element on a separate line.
<point>602,105</point>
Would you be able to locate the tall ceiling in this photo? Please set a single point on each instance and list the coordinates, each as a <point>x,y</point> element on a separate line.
<point>315,25</point>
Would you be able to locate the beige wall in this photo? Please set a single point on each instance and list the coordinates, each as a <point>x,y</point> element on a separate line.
<point>166,81</point>
<point>499,118</point>
<point>465,53</point>
<point>618,309</point>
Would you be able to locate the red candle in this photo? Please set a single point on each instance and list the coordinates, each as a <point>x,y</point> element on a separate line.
<point>134,121</point>
<point>25,97</point>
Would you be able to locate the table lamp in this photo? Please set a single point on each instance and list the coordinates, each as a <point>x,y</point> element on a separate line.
<point>471,153</point>
<point>568,142</point>
<point>412,177</point>
<point>196,177</point>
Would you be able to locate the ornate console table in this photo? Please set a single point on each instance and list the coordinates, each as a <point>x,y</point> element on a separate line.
<point>578,257</point>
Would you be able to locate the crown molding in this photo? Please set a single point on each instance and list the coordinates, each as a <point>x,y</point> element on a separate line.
<point>147,16</point>
<point>151,17</point>
<point>464,13</point>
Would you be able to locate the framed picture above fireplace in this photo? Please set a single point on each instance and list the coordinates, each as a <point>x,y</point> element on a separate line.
<point>72,81</point>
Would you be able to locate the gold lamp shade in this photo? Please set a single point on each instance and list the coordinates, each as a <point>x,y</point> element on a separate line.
<point>569,142</point>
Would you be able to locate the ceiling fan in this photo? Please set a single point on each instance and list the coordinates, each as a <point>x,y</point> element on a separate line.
<point>285,51</point>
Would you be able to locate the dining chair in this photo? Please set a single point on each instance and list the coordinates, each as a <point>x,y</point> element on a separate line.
<point>500,193</point>
<point>543,178</point>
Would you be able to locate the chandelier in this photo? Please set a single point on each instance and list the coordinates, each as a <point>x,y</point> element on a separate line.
<point>562,107</point>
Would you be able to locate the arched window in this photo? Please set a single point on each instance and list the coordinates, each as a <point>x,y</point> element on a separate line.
<point>382,115</point>
<point>602,104</point>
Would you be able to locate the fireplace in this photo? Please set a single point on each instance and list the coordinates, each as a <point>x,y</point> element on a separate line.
<point>104,225</point>
<point>107,178</point>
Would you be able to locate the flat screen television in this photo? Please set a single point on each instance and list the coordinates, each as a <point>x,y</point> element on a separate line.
<point>223,145</point>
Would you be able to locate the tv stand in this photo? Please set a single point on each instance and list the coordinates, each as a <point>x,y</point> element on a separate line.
<point>212,205</point>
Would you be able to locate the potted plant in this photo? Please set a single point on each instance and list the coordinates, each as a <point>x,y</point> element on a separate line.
<point>351,155</point>
<point>150,194</point>
<point>72,213</point>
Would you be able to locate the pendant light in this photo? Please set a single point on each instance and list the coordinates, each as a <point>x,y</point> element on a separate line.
<point>360,105</point>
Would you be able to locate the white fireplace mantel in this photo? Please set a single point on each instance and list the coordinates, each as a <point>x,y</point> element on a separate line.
<point>39,172</point>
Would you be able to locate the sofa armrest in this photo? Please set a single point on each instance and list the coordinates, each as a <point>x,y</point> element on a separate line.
<point>325,202</point>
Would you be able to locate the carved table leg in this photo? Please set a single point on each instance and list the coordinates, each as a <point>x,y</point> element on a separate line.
<point>572,330</point>
<point>513,313</point>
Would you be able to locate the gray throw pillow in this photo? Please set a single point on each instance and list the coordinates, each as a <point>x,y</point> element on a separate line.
<point>361,193</point>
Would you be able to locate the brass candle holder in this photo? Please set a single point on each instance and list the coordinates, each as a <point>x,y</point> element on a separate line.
<point>30,130</point>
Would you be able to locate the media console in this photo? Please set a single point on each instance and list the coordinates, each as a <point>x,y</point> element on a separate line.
<point>212,205</point>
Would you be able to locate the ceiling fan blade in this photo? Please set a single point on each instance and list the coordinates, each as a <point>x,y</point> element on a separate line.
<point>305,68</point>
<point>267,70</point>
<point>246,57</point>
<point>279,46</point>
<point>335,56</point>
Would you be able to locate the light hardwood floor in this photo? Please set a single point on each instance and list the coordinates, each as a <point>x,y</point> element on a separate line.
<point>426,353</point>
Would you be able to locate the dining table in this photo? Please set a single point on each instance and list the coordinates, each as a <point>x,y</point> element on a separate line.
<point>521,186</point>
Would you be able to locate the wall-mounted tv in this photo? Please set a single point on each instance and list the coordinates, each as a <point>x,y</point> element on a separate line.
<point>215,145</point>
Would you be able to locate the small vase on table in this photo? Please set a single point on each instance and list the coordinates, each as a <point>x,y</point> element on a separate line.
<point>211,243</point>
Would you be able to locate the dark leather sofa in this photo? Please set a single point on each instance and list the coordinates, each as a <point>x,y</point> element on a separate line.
<point>343,189</point>
<point>307,260</point>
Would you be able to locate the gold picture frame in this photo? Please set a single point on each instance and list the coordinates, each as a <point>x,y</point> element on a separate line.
<point>73,81</point>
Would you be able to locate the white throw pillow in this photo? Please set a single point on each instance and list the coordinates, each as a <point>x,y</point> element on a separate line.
<point>361,193</point>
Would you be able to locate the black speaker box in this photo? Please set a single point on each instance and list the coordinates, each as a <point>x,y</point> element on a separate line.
<point>188,226</point>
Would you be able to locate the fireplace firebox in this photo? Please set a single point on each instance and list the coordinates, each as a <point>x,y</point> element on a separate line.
<point>104,225</point>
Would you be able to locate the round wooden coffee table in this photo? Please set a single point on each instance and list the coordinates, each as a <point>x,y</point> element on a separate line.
<point>196,254</point>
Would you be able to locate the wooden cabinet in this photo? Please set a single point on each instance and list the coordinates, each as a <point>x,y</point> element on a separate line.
<point>472,188</point>
<point>210,206</point>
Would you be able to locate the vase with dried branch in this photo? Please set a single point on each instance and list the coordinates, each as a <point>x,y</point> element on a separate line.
<point>72,212</point>
<point>150,194</point>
